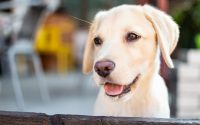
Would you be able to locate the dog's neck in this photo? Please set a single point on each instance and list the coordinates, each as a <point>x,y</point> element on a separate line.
<point>147,78</point>
<point>147,86</point>
<point>146,83</point>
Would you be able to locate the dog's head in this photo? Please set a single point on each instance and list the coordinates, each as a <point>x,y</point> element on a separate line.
<point>123,45</point>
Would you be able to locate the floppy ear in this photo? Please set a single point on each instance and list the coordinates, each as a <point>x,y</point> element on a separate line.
<point>88,57</point>
<point>89,52</point>
<point>166,29</point>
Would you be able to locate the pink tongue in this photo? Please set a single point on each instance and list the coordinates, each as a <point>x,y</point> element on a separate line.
<point>113,89</point>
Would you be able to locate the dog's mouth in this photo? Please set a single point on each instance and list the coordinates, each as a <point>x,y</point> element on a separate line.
<point>113,89</point>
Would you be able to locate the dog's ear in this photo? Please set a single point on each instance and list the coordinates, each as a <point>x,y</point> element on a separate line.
<point>167,31</point>
<point>88,57</point>
<point>89,52</point>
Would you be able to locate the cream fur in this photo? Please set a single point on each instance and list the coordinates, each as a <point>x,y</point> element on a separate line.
<point>148,96</point>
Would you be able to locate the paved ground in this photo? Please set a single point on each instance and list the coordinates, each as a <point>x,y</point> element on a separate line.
<point>70,94</point>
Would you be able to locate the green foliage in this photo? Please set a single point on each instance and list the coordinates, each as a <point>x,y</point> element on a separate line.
<point>197,41</point>
<point>189,23</point>
<point>196,13</point>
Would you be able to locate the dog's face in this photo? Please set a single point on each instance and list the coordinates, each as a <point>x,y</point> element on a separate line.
<point>128,43</point>
<point>121,48</point>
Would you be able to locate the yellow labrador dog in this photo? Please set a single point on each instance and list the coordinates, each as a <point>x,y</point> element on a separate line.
<point>123,51</point>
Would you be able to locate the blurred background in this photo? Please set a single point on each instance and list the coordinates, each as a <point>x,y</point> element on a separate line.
<point>41,49</point>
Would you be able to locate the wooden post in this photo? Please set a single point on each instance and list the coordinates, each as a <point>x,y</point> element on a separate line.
<point>19,118</point>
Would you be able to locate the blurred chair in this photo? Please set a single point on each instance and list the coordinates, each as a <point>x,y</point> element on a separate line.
<point>23,45</point>
<point>55,38</point>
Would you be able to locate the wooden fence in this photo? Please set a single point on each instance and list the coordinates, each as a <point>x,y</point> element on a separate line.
<point>19,118</point>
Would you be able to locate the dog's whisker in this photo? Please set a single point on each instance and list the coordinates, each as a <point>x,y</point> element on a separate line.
<point>85,21</point>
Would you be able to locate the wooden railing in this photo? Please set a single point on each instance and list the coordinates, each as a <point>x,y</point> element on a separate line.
<point>19,118</point>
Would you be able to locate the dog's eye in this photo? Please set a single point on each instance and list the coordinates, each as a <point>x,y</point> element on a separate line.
<point>132,37</point>
<point>97,41</point>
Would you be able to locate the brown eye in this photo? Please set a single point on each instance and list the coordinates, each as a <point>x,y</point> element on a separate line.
<point>131,37</point>
<point>97,41</point>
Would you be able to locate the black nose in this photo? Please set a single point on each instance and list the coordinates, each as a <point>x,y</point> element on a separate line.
<point>104,68</point>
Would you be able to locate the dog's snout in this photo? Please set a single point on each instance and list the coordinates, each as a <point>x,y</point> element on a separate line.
<point>104,68</point>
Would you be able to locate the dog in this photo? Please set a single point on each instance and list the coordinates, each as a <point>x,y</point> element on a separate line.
<point>123,51</point>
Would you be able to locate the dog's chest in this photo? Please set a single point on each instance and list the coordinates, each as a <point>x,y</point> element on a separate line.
<point>108,107</point>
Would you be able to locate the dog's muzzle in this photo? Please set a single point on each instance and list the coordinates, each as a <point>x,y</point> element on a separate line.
<point>113,89</point>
